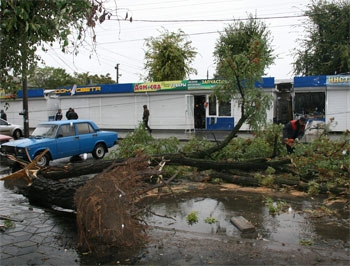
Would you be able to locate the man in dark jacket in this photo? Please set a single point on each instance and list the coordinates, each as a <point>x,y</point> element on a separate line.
<point>72,115</point>
<point>145,118</point>
<point>293,131</point>
<point>3,115</point>
<point>58,115</point>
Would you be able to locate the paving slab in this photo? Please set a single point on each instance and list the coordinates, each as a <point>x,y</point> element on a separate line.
<point>37,236</point>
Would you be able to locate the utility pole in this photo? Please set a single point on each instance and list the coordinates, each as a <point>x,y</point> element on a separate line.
<point>117,70</point>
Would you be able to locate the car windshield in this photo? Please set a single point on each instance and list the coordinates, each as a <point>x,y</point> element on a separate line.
<point>46,131</point>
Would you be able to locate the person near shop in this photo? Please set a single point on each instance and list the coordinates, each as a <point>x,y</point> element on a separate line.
<point>3,115</point>
<point>58,115</point>
<point>293,131</point>
<point>145,118</point>
<point>67,113</point>
<point>72,115</point>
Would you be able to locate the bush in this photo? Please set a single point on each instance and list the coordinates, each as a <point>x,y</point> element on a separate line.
<point>141,140</point>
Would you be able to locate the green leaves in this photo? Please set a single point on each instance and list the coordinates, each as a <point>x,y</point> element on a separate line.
<point>242,54</point>
<point>26,25</point>
<point>141,140</point>
<point>169,56</point>
<point>325,49</point>
<point>52,78</point>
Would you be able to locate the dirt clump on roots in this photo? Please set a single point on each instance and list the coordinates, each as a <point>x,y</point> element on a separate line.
<point>108,210</point>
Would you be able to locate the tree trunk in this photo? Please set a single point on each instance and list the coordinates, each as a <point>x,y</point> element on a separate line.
<point>248,165</point>
<point>57,186</point>
<point>48,192</point>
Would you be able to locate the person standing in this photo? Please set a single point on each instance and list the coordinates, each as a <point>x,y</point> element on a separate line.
<point>3,115</point>
<point>58,115</point>
<point>292,132</point>
<point>145,118</point>
<point>67,113</point>
<point>72,115</point>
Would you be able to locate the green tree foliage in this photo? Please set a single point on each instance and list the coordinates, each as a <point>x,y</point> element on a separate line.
<point>27,26</point>
<point>141,141</point>
<point>242,54</point>
<point>325,50</point>
<point>169,56</point>
<point>86,78</point>
<point>50,78</point>
<point>324,160</point>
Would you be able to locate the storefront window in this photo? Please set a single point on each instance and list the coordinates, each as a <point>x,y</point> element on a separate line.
<point>212,105</point>
<point>225,108</point>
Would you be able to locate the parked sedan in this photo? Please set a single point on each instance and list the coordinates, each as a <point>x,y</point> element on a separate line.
<point>62,139</point>
<point>12,130</point>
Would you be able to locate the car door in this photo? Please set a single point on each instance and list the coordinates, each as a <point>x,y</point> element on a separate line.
<point>67,141</point>
<point>87,137</point>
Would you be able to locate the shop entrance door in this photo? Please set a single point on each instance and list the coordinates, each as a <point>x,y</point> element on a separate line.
<point>199,111</point>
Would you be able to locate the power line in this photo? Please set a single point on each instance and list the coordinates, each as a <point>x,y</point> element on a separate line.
<point>210,20</point>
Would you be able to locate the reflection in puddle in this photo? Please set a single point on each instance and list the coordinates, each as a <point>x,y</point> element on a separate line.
<point>290,227</point>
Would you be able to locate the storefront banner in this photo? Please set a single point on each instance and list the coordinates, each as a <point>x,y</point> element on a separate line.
<point>159,86</point>
<point>203,84</point>
<point>78,90</point>
<point>338,80</point>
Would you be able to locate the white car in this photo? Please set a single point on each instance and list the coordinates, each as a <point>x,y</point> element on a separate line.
<point>12,130</point>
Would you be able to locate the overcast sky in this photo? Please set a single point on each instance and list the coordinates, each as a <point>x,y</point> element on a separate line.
<point>121,42</point>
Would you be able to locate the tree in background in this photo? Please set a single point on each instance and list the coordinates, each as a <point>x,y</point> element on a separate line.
<point>53,78</point>
<point>169,56</point>
<point>242,53</point>
<point>27,25</point>
<point>50,78</point>
<point>87,79</point>
<point>325,50</point>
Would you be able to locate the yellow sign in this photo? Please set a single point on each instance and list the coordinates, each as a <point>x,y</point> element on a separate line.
<point>79,90</point>
<point>339,80</point>
<point>161,85</point>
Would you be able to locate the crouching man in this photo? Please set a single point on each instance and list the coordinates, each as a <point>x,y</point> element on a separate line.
<point>293,132</point>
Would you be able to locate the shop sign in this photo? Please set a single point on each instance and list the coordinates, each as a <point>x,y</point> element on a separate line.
<point>338,80</point>
<point>203,84</point>
<point>159,86</point>
<point>79,90</point>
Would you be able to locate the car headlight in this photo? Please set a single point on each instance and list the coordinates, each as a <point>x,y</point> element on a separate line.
<point>21,150</point>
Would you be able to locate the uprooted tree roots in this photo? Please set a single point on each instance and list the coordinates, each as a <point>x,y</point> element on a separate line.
<point>108,214</point>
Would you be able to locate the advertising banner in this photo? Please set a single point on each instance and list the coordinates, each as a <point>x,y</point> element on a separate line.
<point>160,85</point>
<point>203,84</point>
<point>339,80</point>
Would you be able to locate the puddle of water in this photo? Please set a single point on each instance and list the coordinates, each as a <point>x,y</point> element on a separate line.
<point>289,227</point>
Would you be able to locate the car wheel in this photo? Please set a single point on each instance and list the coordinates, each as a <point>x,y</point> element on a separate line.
<point>17,134</point>
<point>44,161</point>
<point>99,151</point>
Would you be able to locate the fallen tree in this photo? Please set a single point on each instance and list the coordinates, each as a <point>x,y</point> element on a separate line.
<point>56,186</point>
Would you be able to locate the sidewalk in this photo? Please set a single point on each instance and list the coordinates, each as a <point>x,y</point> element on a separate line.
<point>37,236</point>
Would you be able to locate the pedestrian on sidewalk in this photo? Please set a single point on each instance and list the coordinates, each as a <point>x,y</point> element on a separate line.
<point>145,118</point>
<point>3,115</point>
<point>59,115</point>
